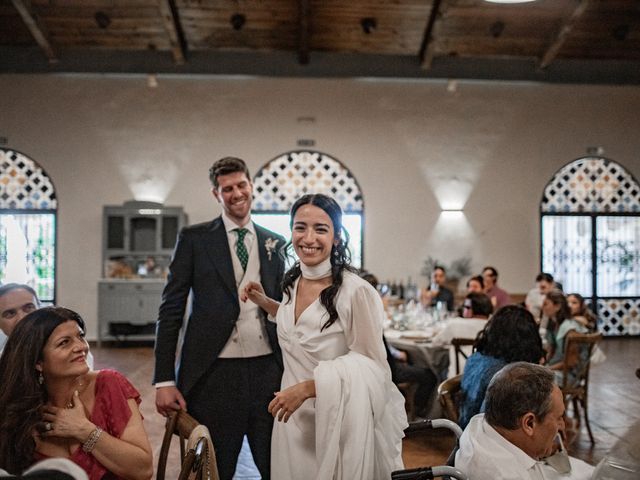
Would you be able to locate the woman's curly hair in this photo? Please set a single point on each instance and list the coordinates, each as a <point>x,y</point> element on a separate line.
<point>511,334</point>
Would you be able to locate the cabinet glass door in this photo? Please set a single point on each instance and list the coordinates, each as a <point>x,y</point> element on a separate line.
<point>143,234</point>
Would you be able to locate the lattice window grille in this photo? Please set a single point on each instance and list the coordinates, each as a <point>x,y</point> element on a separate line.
<point>592,184</point>
<point>286,178</point>
<point>619,316</point>
<point>24,185</point>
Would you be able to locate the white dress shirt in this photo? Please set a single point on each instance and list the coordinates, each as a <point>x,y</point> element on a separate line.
<point>484,454</point>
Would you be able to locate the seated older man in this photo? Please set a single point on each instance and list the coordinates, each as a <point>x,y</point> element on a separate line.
<point>524,412</point>
<point>17,300</point>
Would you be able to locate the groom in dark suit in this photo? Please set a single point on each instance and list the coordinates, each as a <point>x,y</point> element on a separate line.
<point>230,363</point>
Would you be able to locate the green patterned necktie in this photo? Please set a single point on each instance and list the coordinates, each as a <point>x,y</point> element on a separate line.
<point>241,248</point>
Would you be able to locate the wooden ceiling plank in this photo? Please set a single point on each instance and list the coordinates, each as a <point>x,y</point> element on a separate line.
<point>563,34</point>
<point>36,30</point>
<point>172,26</point>
<point>426,53</point>
<point>304,34</point>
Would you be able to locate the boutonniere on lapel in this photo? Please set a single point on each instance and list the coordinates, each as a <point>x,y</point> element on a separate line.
<point>270,246</point>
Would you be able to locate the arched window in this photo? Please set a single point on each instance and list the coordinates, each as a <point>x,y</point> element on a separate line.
<point>289,176</point>
<point>27,224</point>
<point>590,229</point>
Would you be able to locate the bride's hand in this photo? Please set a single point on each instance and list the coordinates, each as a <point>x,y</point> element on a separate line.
<point>253,291</point>
<point>289,400</point>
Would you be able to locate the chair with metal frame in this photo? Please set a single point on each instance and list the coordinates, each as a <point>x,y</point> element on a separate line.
<point>445,471</point>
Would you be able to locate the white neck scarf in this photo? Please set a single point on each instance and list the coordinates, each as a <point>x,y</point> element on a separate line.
<point>316,272</point>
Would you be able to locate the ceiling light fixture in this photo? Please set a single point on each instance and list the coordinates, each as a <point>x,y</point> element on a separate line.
<point>368,24</point>
<point>237,21</point>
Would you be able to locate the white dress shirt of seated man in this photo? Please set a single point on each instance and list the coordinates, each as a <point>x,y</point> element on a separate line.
<point>17,300</point>
<point>524,411</point>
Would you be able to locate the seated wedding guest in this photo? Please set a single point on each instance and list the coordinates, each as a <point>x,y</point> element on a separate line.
<point>556,308</point>
<point>437,292</point>
<point>476,310</point>
<point>424,378</point>
<point>535,296</point>
<point>512,439</point>
<point>402,371</point>
<point>475,284</point>
<point>16,301</point>
<point>498,296</point>
<point>580,312</point>
<point>53,405</point>
<point>511,335</point>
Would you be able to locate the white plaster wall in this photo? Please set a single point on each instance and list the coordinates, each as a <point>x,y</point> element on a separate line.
<point>412,145</point>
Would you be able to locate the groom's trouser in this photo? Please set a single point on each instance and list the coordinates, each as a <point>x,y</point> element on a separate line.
<point>232,400</point>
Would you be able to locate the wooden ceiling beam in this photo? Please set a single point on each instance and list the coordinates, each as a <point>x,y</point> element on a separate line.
<point>427,45</point>
<point>563,33</point>
<point>37,31</point>
<point>304,31</point>
<point>172,26</point>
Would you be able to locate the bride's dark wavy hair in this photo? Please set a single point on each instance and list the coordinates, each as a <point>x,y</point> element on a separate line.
<point>340,255</point>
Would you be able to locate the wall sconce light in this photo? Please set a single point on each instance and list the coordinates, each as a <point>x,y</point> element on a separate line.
<point>237,21</point>
<point>452,213</point>
<point>368,24</point>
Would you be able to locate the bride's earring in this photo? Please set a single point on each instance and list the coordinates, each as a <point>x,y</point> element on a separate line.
<point>40,378</point>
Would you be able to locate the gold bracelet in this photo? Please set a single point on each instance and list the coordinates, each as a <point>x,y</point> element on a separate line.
<point>90,442</point>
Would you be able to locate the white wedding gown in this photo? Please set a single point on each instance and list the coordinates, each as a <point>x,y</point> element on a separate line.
<point>353,429</point>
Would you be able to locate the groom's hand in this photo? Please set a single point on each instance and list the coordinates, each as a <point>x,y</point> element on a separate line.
<point>169,399</point>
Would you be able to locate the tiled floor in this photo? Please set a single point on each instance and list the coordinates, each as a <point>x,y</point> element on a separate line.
<point>614,403</point>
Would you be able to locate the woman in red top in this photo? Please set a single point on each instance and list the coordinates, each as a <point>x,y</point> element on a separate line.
<point>53,405</point>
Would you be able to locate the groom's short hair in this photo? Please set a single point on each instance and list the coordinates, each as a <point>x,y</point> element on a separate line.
<point>225,166</point>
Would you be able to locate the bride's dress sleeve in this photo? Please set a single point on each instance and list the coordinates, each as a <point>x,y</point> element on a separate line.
<point>364,327</point>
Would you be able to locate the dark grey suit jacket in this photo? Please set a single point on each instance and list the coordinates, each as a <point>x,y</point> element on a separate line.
<point>202,264</point>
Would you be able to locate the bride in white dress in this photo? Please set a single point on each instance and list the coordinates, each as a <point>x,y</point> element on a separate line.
<point>338,415</point>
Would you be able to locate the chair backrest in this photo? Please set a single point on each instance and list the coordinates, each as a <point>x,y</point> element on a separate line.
<point>458,343</point>
<point>577,360</point>
<point>196,462</point>
<point>449,397</point>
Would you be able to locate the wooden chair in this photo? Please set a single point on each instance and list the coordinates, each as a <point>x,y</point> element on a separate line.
<point>197,456</point>
<point>458,343</point>
<point>575,373</point>
<point>448,395</point>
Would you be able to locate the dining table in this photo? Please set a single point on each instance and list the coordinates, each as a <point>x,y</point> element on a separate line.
<point>420,350</point>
